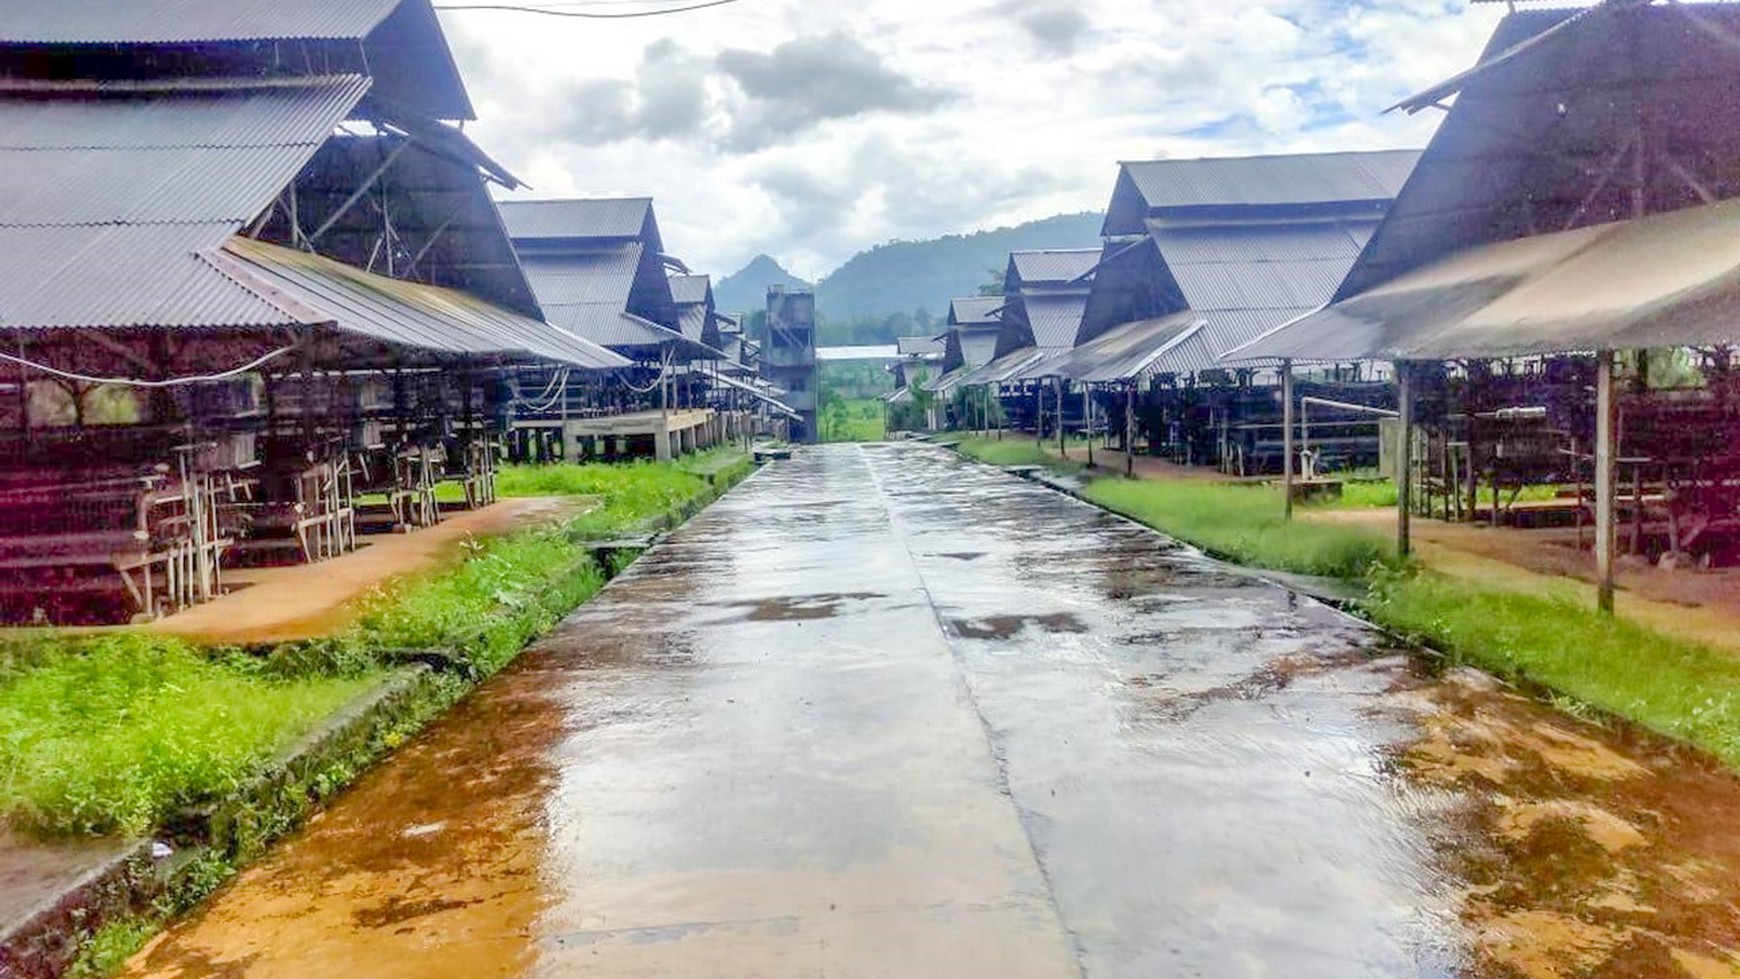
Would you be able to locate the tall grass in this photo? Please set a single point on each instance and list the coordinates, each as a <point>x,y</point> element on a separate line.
<point>1671,686</point>
<point>111,736</point>
<point>1245,524</point>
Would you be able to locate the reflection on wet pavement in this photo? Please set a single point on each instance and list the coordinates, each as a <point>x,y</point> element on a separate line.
<point>884,713</point>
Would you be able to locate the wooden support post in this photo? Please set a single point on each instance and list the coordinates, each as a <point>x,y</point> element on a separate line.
<point>1087,414</point>
<point>1605,479</point>
<point>1130,431</point>
<point>1405,459</point>
<point>1287,446</point>
<point>1057,396</point>
<point>1039,418</point>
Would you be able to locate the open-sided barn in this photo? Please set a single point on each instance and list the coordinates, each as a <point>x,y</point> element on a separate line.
<point>1573,216</point>
<point>250,275</point>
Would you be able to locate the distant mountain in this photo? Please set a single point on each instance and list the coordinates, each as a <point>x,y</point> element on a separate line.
<point>746,290</point>
<point>905,276</point>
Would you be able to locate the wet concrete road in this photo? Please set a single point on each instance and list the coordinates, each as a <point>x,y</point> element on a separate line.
<point>884,713</point>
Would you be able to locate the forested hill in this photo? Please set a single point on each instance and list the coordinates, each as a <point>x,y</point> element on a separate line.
<point>905,276</point>
<point>746,290</point>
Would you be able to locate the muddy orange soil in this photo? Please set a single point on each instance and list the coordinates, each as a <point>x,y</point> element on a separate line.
<point>316,600</point>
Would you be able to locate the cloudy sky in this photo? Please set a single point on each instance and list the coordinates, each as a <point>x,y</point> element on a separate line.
<point>811,129</point>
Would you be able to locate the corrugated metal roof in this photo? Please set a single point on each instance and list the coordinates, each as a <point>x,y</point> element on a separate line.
<point>1004,367</point>
<point>1058,266</point>
<point>1312,178</point>
<point>692,321</point>
<point>109,193</point>
<point>182,21</point>
<point>1532,142</point>
<point>1123,353</point>
<point>406,313</point>
<point>588,292</point>
<point>1055,319</point>
<point>576,219</point>
<point>1245,279</point>
<point>691,289</point>
<point>175,152</point>
<point>122,276</point>
<point>602,276</point>
<point>975,311</point>
<point>609,326</point>
<point>918,346</point>
<point>1663,281</point>
<point>1192,355</point>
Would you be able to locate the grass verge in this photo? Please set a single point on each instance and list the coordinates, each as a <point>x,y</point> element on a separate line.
<point>1245,524</point>
<point>114,734</point>
<point>1016,451</point>
<point>1676,688</point>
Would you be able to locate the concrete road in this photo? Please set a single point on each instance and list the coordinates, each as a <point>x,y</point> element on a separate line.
<point>881,712</point>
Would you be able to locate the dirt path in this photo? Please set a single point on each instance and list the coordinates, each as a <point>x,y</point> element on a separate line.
<point>1702,606</point>
<point>316,600</point>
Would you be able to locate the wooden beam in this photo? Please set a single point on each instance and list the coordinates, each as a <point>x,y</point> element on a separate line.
<point>358,194</point>
<point>1405,459</point>
<point>1605,480</point>
<point>1287,446</point>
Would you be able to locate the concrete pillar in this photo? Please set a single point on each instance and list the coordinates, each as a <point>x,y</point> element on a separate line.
<point>662,444</point>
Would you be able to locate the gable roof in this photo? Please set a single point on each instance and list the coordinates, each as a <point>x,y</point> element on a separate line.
<point>1052,267</point>
<point>1541,137</point>
<point>1666,280</point>
<point>1244,280</point>
<point>110,200</point>
<point>1300,178</point>
<point>975,311</point>
<point>399,43</point>
<point>918,346</point>
<point>1292,182</point>
<point>591,293</point>
<point>583,220</point>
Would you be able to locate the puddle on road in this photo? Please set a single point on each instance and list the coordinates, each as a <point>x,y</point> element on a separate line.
<point>1009,626</point>
<point>800,608</point>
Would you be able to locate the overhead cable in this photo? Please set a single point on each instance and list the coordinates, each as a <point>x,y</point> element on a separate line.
<point>136,383</point>
<point>548,12</point>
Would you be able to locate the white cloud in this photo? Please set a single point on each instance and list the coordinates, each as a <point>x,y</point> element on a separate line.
<point>811,131</point>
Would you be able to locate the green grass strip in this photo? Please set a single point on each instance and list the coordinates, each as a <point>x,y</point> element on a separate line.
<point>1245,524</point>
<point>112,734</point>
